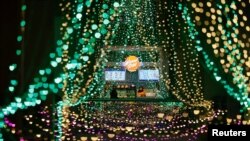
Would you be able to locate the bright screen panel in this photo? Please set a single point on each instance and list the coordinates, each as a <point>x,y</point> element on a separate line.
<point>115,75</point>
<point>149,74</point>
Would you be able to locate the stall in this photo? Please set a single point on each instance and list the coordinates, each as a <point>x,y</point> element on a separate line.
<point>133,75</point>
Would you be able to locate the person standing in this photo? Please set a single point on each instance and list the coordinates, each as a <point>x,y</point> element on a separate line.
<point>113,93</point>
<point>141,92</point>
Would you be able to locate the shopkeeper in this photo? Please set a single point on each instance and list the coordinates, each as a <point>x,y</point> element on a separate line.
<point>141,92</point>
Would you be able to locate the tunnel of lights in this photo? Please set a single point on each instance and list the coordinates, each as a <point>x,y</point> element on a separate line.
<point>176,38</point>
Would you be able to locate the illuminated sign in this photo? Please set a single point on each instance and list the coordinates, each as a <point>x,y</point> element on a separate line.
<point>132,63</point>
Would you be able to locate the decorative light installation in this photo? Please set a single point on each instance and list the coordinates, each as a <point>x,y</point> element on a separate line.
<point>37,91</point>
<point>75,67</point>
<point>95,28</point>
<point>89,27</point>
<point>76,59</point>
<point>130,37</point>
<point>89,120</point>
<point>230,57</point>
<point>184,78</point>
<point>100,119</point>
<point>14,67</point>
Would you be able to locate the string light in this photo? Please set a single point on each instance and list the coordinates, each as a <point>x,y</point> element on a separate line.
<point>185,81</point>
<point>226,46</point>
<point>90,27</point>
<point>14,67</point>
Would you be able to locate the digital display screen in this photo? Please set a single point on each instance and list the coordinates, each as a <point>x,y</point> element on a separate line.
<point>149,75</point>
<point>115,75</point>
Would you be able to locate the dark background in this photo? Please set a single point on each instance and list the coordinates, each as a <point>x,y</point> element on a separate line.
<point>39,40</point>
